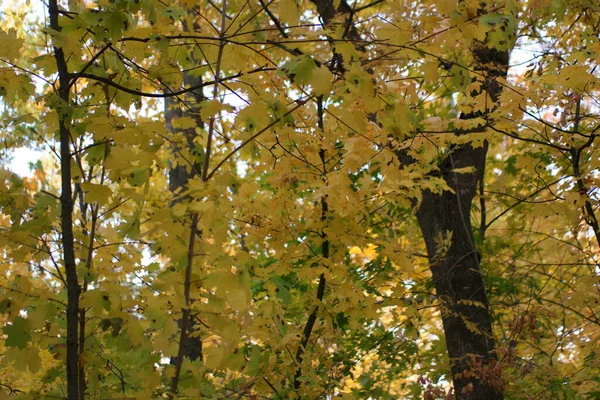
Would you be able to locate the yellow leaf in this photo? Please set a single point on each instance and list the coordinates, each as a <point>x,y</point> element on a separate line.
<point>213,352</point>
<point>184,123</point>
<point>354,120</point>
<point>289,13</point>
<point>347,50</point>
<point>211,108</point>
<point>238,300</point>
<point>463,170</point>
<point>321,81</point>
<point>430,70</point>
<point>433,124</point>
<point>120,157</point>
<point>395,35</point>
<point>575,198</point>
<point>10,45</point>
<point>472,31</point>
<point>94,193</point>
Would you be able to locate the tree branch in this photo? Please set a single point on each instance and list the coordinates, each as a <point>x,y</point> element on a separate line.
<point>312,318</point>
<point>135,92</point>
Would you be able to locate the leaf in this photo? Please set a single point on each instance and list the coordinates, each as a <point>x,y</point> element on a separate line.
<point>300,70</point>
<point>214,354</point>
<point>463,170</point>
<point>15,85</point>
<point>18,333</point>
<point>282,291</point>
<point>94,193</point>
<point>460,77</point>
<point>213,107</point>
<point>289,12</point>
<point>10,45</point>
<point>238,299</point>
<point>184,123</point>
<point>114,323</point>
<point>321,81</point>
<point>97,153</point>
<point>347,50</point>
<point>430,69</point>
<point>33,359</point>
<point>130,228</point>
<point>137,176</point>
<point>23,359</point>
<point>492,19</point>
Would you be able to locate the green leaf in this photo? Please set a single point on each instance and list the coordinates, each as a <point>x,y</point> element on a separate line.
<point>138,176</point>
<point>18,333</point>
<point>492,19</point>
<point>282,291</point>
<point>299,70</point>
<point>130,228</point>
<point>96,153</point>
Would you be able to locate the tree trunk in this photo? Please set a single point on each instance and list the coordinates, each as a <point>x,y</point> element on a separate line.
<point>456,270</point>
<point>457,276</point>
<point>180,173</point>
<point>66,216</point>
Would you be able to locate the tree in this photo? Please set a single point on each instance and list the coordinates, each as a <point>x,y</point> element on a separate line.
<point>296,199</point>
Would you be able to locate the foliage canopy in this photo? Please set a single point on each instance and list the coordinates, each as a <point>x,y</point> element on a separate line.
<point>298,199</point>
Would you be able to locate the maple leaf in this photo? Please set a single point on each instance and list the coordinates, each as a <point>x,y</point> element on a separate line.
<point>10,45</point>
<point>18,333</point>
<point>300,70</point>
<point>325,191</point>
<point>95,193</point>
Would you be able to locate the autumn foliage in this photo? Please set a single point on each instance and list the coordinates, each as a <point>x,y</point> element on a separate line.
<point>300,199</point>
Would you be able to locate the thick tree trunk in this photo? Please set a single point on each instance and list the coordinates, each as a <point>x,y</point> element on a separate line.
<point>457,278</point>
<point>456,269</point>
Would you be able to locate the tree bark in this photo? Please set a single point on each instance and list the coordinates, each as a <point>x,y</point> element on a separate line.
<point>456,273</point>
<point>187,105</point>
<point>66,216</point>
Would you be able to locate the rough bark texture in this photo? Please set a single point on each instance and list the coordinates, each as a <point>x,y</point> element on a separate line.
<point>457,274</point>
<point>180,174</point>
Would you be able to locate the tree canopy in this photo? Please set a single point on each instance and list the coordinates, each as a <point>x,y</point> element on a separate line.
<point>300,199</point>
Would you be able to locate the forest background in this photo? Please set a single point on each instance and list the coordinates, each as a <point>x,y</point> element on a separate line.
<point>300,199</point>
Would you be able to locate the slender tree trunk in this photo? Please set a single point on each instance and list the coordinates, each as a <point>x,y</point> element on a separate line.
<point>66,218</point>
<point>197,167</point>
<point>312,318</point>
<point>589,214</point>
<point>180,174</point>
